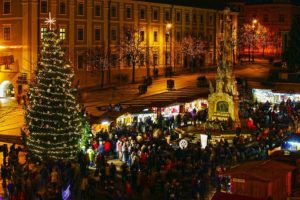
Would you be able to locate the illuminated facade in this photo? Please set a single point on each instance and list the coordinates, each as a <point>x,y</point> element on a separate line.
<point>85,27</point>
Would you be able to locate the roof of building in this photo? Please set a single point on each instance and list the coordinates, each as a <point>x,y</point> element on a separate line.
<point>226,196</point>
<point>211,4</point>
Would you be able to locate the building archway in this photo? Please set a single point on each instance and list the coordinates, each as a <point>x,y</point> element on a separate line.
<point>6,89</point>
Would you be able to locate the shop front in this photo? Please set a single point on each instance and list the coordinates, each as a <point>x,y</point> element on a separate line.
<point>264,95</point>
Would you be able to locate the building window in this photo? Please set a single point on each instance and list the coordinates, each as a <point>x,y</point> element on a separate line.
<point>44,6</point>
<point>128,12</point>
<point>62,33</point>
<point>62,7</point>
<point>265,18</point>
<point>155,59</point>
<point>194,18</point>
<point>167,37</point>
<point>210,37</point>
<point>142,59</point>
<point>97,10</point>
<point>97,34</point>
<point>113,34</point>
<point>155,36</point>
<point>178,36</point>
<point>6,33</point>
<point>114,60</point>
<point>80,34</point>
<point>281,18</point>
<point>155,14</point>
<point>178,17</point>
<point>178,59</point>
<point>142,13</point>
<point>201,19</point>
<point>142,36</point>
<point>211,21</point>
<point>80,61</point>
<point>6,7</point>
<point>80,8</point>
<point>113,11</point>
<point>167,15</point>
<point>43,32</point>
<point>187,18</point>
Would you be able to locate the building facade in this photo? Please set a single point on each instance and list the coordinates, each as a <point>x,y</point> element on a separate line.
<point>275,15</point>
<point>91,31</point>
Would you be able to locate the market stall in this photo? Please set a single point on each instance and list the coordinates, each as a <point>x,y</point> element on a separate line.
<point>198,105</point>
<point>264,95</point>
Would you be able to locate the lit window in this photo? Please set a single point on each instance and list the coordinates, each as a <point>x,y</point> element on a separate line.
<point>43,32</point>
<point>113,11</point>
<point>80,34</point>
<point>155,36</point>
<point>142,13</point>
<point>128,12</point>
<point>97,10</point>
<point>44,6</point>
<point>80,8</point>
<point>97,34</point>
<point>62,7</point>
<point>62,33</point>
<point>6,7</point>
<point>6,33</point>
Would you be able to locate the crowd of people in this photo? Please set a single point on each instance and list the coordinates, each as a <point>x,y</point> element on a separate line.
<point>137,162</point>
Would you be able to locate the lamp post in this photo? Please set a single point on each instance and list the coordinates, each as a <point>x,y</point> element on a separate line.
<point>254,22</point>
<point>168,34</point>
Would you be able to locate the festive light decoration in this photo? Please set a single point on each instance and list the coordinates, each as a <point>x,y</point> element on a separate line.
<point>53,114</point>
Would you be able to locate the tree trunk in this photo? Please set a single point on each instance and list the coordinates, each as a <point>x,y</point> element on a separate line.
<point>133,72</point>
<point>148,70</point>
<point>249,55</point>
<point>102,76</point>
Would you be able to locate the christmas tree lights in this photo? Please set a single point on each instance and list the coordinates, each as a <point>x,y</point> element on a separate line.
<point>53,114</point>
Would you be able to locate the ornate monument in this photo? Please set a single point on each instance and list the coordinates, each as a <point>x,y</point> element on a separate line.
<point>224,100</point>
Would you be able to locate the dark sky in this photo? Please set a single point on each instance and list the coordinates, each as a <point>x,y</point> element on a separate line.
<point>262,1</point>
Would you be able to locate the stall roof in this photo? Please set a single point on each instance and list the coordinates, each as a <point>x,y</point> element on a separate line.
<point>226,196</point>
<point>167,98</point>
<point>267,170</point>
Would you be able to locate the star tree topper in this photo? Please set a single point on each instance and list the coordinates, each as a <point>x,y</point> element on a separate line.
<point>50,21</point>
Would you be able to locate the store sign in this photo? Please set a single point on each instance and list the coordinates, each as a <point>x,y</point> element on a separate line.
<point>183,144</point>
<point>6,60</point>
<point>238,180</point>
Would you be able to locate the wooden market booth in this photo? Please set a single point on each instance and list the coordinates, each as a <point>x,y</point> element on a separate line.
<point>262,179</point>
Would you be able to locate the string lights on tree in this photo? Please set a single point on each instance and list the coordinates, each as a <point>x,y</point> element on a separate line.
<point>53,114</point>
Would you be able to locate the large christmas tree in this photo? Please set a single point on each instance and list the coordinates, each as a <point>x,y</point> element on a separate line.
<point>53,116</point>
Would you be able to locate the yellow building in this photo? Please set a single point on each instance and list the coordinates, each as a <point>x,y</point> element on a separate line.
<point>87,29</point>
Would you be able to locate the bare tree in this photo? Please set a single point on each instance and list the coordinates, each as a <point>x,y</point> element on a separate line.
<point>250,36</point>
<point>132,48</point>
<point>193,49</point>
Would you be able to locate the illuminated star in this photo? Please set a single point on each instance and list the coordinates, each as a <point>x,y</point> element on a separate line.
<point>50,21</point>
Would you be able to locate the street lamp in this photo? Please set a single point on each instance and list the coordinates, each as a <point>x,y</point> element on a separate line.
<point>168,37</point>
